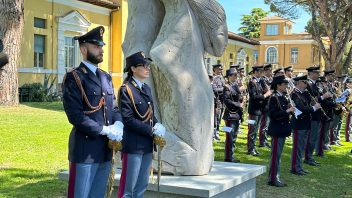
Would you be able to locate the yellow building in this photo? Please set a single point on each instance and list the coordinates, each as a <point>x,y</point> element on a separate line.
<point>281,47</point>
<point>48,47</point>
<point>239,50</point>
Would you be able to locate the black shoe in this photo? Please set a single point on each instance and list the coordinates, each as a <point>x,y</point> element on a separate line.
<point>252,152</point>
<point>299,173</point>
<point>255,150</point>
<point>277,184</point>
<point>305,171</point>
<point>326,147</point>
<point>311,163</point>
<point>216,137</point>
<point>320,155</point>
<point>267,145</point>
<point>316,162</point>
<point>233,161</point>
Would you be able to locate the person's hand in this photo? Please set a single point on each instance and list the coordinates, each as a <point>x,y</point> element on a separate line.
<point>159,130</point>
<point>267,94</point>
<point>327,95</point>
<point>290,110</point>
<point>317,106</point>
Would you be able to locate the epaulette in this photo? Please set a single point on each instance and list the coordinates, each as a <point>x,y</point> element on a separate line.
<point>134,84</point>
<point>103,71</point>
<point>84,70</point>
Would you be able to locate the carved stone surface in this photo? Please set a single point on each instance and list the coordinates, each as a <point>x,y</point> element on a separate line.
<point>176,34</point>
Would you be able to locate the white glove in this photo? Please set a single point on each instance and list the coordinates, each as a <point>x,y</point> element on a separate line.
<point>159,130</point>
<point>114,132</point>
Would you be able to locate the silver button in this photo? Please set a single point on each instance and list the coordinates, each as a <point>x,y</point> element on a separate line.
<point>108,121</point>
<point>86,136</point>
<point>103,93</point>
<point>94,93</point>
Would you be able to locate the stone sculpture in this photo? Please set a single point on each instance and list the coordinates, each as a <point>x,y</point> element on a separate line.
<point>176,34</point>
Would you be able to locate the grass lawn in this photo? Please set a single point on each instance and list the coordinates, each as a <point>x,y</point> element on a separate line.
<point>33,149</point>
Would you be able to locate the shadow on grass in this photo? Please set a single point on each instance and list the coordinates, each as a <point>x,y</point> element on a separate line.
<point>53,106</point>
<point>17,182</point>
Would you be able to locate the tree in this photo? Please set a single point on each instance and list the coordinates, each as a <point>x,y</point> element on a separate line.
<point>11,28</point>
<point>309,27</point>
<point>250,23</point>
<point>335,16</point>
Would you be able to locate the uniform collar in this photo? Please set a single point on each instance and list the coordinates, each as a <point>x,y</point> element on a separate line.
<point>139,83</point>
<point>257,79</point>
<point>312,80</point>
<point>90,66</point>
<point>279,93</point>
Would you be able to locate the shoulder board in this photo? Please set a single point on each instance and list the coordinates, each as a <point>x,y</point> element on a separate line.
<point>84,70</point>
<point>103,71</point>
<point>134,84</point>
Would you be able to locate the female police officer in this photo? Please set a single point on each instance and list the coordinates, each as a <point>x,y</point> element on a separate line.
<point>136,106</point>
<point>279,127</point>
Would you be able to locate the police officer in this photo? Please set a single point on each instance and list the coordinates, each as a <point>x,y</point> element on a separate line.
<point>313,90</point>
<point>88,99</point>
<point>218,89</point>
<point>348,128</point>
<point>278,72</point>
<point>256,98</point>
<point>265,82</point>
<point>288,74</point>
<point>279,127</point>
<point>233,114</point>
<point>328,105</point>
<point>136,104</point>
<point>301,123</point>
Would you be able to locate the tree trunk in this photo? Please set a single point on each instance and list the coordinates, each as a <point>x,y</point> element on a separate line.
<point>11,28</point>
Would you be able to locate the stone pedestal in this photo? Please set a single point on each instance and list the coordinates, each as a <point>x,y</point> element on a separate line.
<point>225,180</point>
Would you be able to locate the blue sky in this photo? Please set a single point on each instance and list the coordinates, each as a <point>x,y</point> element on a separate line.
<point>236,8</point>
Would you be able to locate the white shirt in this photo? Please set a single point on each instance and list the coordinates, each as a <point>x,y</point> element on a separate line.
<point>90,66</point>
<point>139,83</point>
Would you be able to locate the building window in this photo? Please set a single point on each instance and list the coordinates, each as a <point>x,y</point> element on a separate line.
<point>287,30</point>
<point>271,55</point>
<point>231,55</point>
<point>294,55</point>
<point>241,57</point>
<point>255,56</point>
<point>69,53</point>
<point>231,63</point>
<point>39,50</point>
<point>219,62</point>
<point>272,30</point>
<point>39,23</point>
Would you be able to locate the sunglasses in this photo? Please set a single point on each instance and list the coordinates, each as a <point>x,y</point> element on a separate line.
<point>145,66</point>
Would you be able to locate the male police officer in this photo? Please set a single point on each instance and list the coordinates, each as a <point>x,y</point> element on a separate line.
<point>301,123</point>
<point>317,97</point>
<point>218,89</point>
<point>265,82</point>
<point>288,73</point>
<point>256,98</point>
<point>88,99</point>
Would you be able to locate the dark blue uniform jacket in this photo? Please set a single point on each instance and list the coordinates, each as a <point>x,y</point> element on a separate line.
<point>279,125</point>
<point>137,135</point>
<point>86,145</point>
<point>303,103</point>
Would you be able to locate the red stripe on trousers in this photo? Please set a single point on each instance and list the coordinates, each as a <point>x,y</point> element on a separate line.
<point>307,146</point>
<point>249,129</point>
<point>261,130</point>
<point>347,128</point>
<point>321,139</point>
<point>294,151</point>
<point>227,142</point>
<point>273,160</point>
<point>71,181</point>
<point>122,184</point>
<point>331,135</point>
